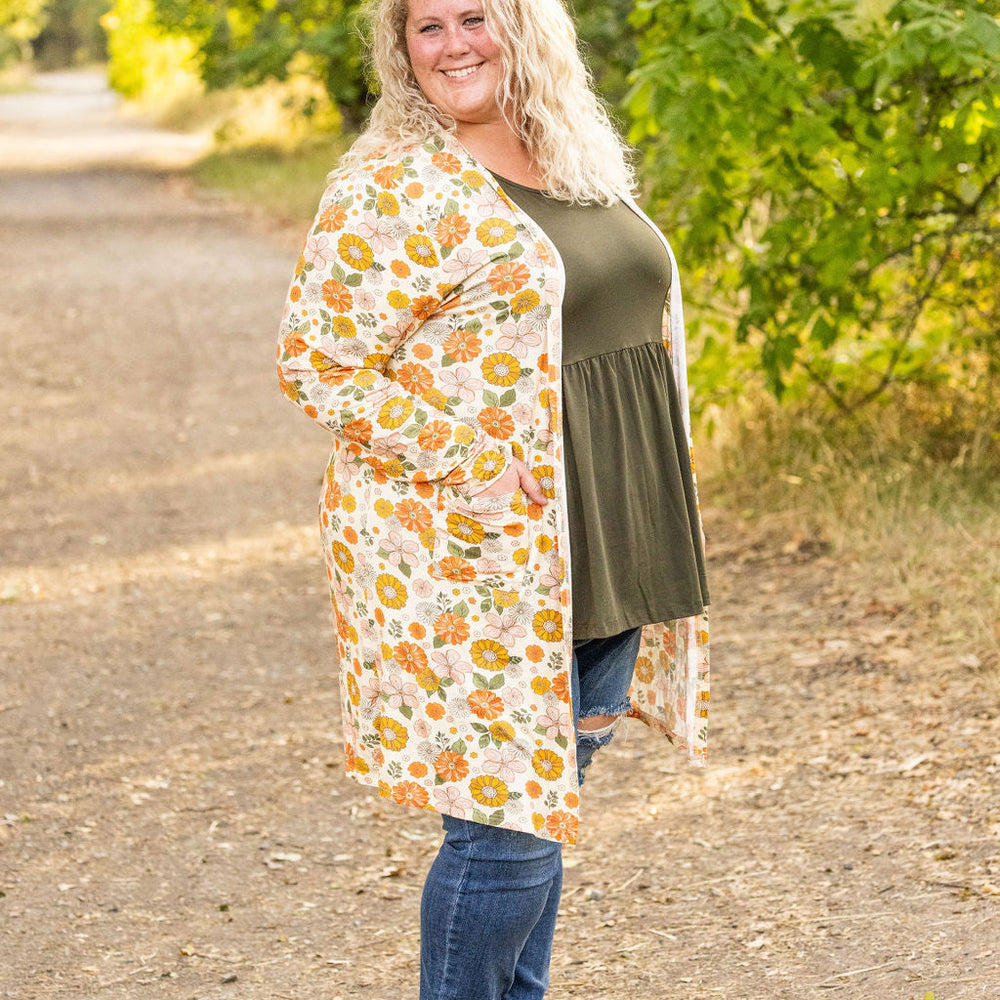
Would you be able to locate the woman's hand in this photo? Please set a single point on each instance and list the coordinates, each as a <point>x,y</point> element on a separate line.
<point>516,475</point>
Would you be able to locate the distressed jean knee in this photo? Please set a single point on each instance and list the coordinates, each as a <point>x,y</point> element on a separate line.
<point>589,741</point>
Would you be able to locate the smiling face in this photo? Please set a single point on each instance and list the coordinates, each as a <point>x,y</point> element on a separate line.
<point>455,61</point>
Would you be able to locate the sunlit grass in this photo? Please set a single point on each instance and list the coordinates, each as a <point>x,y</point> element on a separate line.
<point>286,183</point>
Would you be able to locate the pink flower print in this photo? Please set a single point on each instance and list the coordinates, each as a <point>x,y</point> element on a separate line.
<point>379,233</point>
<point>504,629</point>
<point>397,691</point>
<point>459,382</point>
<point>522,414</point>
<point>555,722</point>
<point>517,338</point>
<point>512,696</point>
<point>422,728</point>
<point>371,690</point>
<point>423,588</point>
<point>552,577</point>
<point>505,763</point>
<point>465,261</point>
<point>363,299</point>
<point>401,550</point>
<point>450,800</point>
<point>450,664</point>
<point>318,251</point>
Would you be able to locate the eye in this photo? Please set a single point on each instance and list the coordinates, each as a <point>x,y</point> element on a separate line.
<point>475,22</point>
<point>428,28</point>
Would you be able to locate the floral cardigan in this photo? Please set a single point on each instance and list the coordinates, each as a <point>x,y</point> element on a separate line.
<point>422,328</point>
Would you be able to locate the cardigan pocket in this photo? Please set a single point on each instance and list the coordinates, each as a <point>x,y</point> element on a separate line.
<point>478,538</point>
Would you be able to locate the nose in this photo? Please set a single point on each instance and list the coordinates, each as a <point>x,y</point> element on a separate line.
<point>456,43</point>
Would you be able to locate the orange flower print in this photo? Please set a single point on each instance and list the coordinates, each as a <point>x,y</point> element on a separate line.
<point>333,218</point>
<point>451,766</point>
<point>434,435</point>
<point>337,296</point>
<point>489,790</point>
<point>463,345</point>
<point>501,369</point>
<point>561,687</point>
<point>454,568</point>
<point>388,177</point>
<point>424,307</point>
<point>420,250</point>
<point>410,657</point>
<point>496,422</point>
<point>489,655</point>
<point>391,591</point>
<point>413,515</point>
<point>547,764</point>
<point>451,628</point>
<point>548,625</point>
<point>415,378</point>
<point>355,252</point>
<point>562,826</point>
<point>359,430</point>
<point>494,232</point>
<point>409,793</point>
<point>400,268</point>
<point>447,162</point>
<point>486,705</point>
<point>533,789</point>
<point>330,371</point>
<point>452,230</point>
<point>395,412</point>
<point>507,278</point>
<point>294,345</point>
<point>393,734</point>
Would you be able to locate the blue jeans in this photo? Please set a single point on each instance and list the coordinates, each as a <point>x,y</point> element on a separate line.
<point>488,912</point>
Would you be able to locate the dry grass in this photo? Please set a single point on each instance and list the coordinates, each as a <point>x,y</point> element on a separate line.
<point>923,529</point>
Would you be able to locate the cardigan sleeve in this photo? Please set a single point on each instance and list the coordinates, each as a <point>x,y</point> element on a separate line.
<point>368,276</point>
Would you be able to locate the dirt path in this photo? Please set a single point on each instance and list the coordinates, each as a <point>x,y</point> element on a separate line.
<point>176,822</point>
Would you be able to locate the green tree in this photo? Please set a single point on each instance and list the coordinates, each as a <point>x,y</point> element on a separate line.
<point>832,176</point>
<point>21,21</point>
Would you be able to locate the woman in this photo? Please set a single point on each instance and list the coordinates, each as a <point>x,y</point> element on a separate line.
<point>478,317</point>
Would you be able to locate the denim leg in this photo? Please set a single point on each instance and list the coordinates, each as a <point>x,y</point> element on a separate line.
<point>602,673</point>
<point>487,915</point>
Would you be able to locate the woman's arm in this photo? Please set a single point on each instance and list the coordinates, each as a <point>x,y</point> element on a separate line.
<point>369,275</point>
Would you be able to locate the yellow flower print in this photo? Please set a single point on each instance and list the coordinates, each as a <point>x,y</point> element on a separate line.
<point>342,557</point>
<point>387,204</point>
<point>464,434</point>
<point>494,232</point>
<point>391,592</point>
<point>420,249</point>
<point>465,528</point>
<point>398,299</point>
<point>489,655</point>
<point>524,302</point>
<point>540,685</point>
<point>546,477</point>
<point>394,735</point>
<point>395,412</point>
<point>547,764</point>
<point>473,178</point>
<point>505,598</point>
<point>644,669</point>
<point>343,326</point>
<point>383,507</point>
<point>355,252</point>
<point>502,731</point>
<point>489,465</point>
<point>428,680</point>
<point>501,368</point>
<point>548,625</point>
<point>489,790</point>
<point>353,691</point>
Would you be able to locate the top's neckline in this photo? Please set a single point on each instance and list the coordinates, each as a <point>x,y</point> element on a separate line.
<point>506,181</point>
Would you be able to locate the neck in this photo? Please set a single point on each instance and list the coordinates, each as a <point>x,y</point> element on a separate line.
<point>500,149</point>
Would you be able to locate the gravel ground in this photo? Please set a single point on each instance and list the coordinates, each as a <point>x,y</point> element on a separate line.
<point>175,821</point>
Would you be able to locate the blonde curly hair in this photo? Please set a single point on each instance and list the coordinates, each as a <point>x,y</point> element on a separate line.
<point>563,124</point>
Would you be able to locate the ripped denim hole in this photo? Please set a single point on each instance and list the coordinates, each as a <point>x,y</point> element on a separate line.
<point>621,708</point>
<point>600,737</point>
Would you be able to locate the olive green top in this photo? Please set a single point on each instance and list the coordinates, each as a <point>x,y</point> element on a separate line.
<point>635,546</point>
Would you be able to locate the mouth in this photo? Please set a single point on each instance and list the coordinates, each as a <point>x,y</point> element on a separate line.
<point>461,74</point>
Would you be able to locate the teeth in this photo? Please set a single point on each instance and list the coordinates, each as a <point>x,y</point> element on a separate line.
<point>457,74</point>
